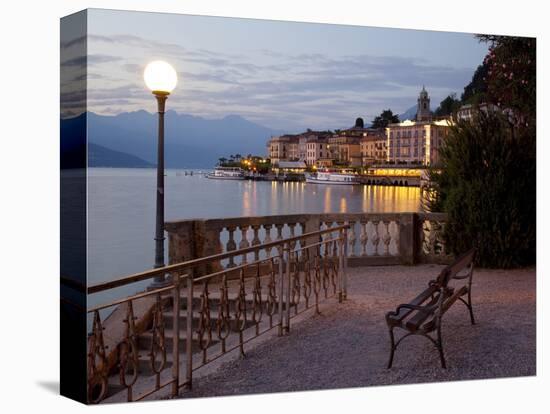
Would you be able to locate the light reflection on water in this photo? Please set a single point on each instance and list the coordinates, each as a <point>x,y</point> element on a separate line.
<point>122,211</point>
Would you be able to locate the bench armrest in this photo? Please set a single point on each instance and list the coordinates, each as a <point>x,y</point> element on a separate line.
<point>426,309</point>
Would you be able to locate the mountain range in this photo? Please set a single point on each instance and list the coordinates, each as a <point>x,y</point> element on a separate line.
<point>190,141</point>
<point>408,114</point>
<point>129,139</point>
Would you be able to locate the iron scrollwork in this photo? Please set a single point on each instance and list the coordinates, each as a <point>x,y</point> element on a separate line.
<point>271,305</point>
<point>204,332</point>
<point>128,353</point>
<point>97,363</point>
<point>223,322</point>
<point>158,340</point>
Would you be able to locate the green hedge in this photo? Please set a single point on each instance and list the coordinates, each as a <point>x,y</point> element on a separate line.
<point>487,186</point>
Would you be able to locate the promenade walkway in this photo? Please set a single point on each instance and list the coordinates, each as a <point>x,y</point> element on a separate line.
<point>347,345</point>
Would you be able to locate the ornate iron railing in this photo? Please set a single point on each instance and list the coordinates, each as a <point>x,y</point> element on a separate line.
<point>158,338</point>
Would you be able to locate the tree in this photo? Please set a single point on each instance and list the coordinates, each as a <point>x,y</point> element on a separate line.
<point>476,90</point>
<point>487,187</point>
<point>511,75</point>
<point>385,118</point>
<point>448,106</point>
<point>222,161</point>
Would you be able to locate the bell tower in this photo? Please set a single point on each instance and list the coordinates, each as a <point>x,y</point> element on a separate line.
<point>423,112</point>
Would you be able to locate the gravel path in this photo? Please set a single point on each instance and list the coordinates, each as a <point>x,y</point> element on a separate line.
<point>347,345</point>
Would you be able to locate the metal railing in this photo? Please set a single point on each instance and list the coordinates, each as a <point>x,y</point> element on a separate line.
<point>188,325</point>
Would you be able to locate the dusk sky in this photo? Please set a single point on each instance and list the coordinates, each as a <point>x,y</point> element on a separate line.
<point>287,76</point>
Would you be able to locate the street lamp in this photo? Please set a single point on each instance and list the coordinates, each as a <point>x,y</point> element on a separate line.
<point>161,79</point>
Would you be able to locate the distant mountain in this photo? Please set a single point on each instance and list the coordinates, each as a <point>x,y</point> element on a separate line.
<point>190,141</point>
<point>408,114</point>
<point>100,156</point>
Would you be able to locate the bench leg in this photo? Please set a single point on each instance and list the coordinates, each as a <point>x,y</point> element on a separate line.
<point>439,345</point>
<point>470,308</point>
<point>392,351</point>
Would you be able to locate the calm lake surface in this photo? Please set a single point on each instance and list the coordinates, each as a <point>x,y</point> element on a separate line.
<point>121,211</point>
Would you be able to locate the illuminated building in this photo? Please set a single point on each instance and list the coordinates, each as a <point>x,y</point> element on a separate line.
<point>419,141</point>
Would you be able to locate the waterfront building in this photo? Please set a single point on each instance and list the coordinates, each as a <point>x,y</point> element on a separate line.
<point>283,148</point>
<point>417,142</point>
<point>286,167</point>
<point>466,112</point>
<point>345,149</point>
<point>317,151</point>
<point>310,147</point>
<point>313,148</point>
<point>345,145</point>
<point>373,146</point>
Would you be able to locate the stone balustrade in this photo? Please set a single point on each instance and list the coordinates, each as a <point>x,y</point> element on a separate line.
<point>373,239</point>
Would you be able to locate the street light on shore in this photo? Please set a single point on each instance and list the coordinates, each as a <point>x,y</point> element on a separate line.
<point>161,78</point>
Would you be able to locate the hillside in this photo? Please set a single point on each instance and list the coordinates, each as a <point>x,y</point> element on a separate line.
<point>190,142</point>
<point>100,156</point>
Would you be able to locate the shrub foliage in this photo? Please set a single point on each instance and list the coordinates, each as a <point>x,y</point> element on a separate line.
<point>487,186</point>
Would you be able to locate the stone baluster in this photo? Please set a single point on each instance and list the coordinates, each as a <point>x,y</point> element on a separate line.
<point>422,231</point>
<point>364,237</point>
<point>243,244</point>
<point>352,239</point>
<point>256,241</point>
<point>231,245</point>
<point>375,237</point>
<point>302,242</point>
<point>323,237</point>
<point>341,223</point>
<point>267,238</point>
<point>292,228</point>
<point>386,238</point>
<point>279,228</point>
<point>395,236</point>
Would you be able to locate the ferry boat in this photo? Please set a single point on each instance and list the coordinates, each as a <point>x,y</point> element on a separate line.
<point>227,173</point>
<point>331,177</point>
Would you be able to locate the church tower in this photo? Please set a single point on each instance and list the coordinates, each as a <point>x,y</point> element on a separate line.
<point>423,108</point>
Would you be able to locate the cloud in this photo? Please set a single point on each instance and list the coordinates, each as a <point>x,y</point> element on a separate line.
<point>270,87</point>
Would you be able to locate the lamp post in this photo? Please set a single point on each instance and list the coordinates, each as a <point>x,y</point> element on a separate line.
<point>161,79</point>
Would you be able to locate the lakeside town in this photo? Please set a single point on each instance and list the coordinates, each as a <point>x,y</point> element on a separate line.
<point>389,152</point>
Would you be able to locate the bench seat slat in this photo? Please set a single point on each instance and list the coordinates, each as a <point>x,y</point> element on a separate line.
<point>403,313</point>
<point>419,317</point>
<point>447,304</point>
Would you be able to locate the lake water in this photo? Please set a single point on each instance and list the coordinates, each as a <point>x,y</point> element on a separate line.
<point>121,211</point>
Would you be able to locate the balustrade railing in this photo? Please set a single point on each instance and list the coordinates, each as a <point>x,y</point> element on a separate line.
<point>373,239</point>
<point>159,338</point>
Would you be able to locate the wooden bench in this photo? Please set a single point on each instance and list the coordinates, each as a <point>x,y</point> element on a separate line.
<point>424,313</point>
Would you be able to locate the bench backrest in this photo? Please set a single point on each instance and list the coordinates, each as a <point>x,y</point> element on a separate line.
<point>452,271</point>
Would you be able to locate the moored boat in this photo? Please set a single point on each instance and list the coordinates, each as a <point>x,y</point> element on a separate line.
<point>226,173</point>
<point>332,177</point>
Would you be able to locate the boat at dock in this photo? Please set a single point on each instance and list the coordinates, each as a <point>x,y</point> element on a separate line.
<point>332,177</point>
<point>227,173</point>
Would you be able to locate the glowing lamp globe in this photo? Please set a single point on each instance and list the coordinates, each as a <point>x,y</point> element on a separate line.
<point>160,77</point>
